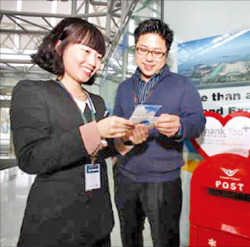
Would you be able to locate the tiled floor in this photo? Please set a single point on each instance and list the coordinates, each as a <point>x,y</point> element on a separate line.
<point>14,190</point>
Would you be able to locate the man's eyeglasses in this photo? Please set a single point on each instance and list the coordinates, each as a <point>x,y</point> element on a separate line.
<point>155,54</point>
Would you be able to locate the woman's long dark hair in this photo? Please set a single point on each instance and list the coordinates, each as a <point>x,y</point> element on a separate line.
<point>69,30</point>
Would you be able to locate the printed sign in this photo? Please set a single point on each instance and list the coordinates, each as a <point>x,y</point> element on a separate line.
<point>225,135</point>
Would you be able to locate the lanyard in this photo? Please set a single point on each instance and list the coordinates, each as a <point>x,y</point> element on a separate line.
<point>136,92</point>
<point>136,87</point>
<point>93,156</point>
<point>91,105</point>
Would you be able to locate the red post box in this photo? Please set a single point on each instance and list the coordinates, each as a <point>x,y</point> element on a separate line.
<point>220,202</point>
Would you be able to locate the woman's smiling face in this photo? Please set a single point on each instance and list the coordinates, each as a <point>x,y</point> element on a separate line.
<point>80,62</point>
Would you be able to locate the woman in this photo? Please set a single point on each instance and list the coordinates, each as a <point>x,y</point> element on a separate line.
<point>69,202</point>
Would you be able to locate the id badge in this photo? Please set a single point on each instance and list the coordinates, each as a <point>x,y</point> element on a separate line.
<point>92,177</point>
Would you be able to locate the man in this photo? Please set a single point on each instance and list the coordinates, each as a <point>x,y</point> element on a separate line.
<point>147,178</point>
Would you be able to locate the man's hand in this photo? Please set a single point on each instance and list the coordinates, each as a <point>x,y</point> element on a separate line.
<point>168,125</point>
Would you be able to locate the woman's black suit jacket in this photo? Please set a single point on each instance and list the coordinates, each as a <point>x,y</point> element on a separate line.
<point>59,212</point>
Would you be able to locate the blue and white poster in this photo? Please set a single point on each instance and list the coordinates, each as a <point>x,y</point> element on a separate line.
<point>216,61</point>
<point>219,67</point>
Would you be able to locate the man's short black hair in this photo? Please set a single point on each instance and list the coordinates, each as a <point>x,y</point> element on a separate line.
<point>155,26</point>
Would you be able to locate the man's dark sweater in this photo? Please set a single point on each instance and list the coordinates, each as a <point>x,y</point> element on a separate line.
<point>160,158</point>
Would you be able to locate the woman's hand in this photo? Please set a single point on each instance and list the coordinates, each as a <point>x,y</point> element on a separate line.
<point>114,127</point>
<point>168,125</point>
<point>138,134</point>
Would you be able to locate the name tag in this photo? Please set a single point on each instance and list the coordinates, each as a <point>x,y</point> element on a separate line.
<point>92,177</point>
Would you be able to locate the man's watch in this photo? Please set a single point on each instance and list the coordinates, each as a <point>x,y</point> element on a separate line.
<point>179,134</point>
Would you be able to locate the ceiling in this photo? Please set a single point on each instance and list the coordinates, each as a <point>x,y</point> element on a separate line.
<point>23,24</point>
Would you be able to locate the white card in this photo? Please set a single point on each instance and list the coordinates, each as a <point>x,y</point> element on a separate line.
<point>92,177</point>
<point>145,114</point>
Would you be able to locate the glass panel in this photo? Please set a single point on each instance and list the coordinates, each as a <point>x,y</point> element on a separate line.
<point>5,139</point>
